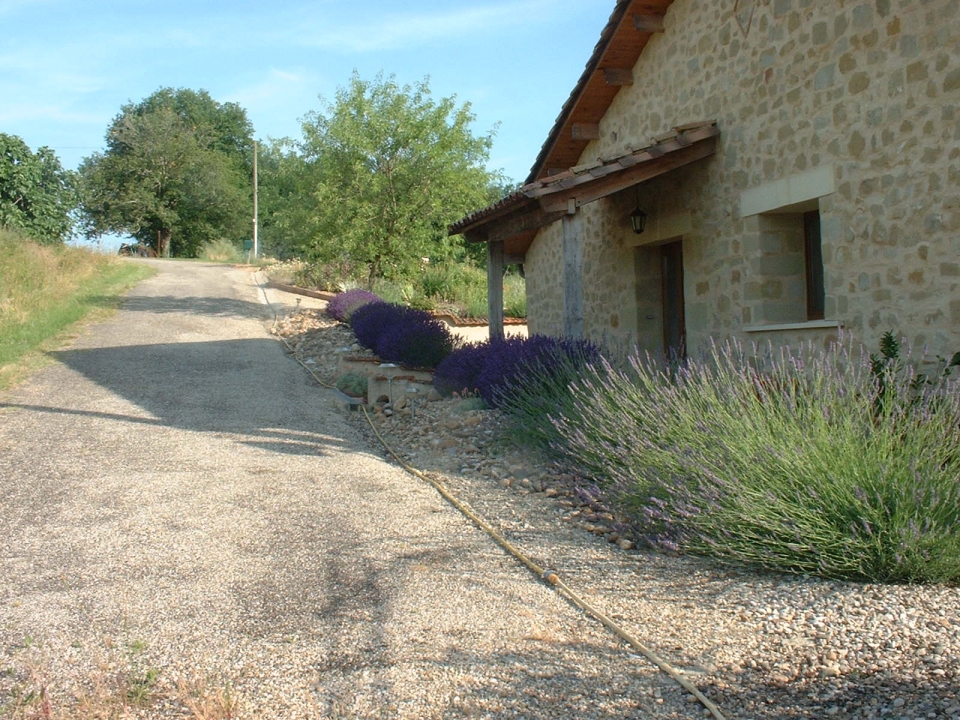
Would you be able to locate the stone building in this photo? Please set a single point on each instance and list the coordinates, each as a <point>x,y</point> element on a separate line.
<point>797,163</point>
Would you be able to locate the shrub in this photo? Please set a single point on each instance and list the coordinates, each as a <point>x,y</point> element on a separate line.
<point>519,365</point>
<point>370,320</point>
<point>353,384</point>
<point>786,462</point>
<point>458,372</point>
<point>401,334</point>
<point>419,340</point>
<point>343,305</point>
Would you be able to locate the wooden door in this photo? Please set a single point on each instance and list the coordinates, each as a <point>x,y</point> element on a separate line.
<point>674,326</point>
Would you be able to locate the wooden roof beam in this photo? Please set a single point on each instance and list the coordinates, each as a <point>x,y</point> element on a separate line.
<point>648,23</point>
<point>618,76</point>
<point>585,131</point>
<point>615,182</point>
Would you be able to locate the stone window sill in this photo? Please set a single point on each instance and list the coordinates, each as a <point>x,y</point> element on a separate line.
<point>808,325</point>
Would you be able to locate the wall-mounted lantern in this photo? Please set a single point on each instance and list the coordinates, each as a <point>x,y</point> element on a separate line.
<point>638,218</point>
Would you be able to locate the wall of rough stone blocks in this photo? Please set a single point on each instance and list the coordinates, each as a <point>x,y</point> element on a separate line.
<point>870,88</point>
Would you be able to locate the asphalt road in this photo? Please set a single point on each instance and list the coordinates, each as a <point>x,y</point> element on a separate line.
<point>186,518</point>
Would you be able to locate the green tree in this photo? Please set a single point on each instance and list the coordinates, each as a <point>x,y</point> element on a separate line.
<point>287,209</point>
<point>37,196</point>
<point>388,169</point>
<point>176,173</point>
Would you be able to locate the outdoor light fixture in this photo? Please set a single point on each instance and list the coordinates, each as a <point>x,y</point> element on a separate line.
<point>638,220</point>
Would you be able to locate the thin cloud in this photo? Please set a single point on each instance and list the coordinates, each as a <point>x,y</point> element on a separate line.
<point>397,31</point>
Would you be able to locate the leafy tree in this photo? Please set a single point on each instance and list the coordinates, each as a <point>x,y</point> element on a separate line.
<point>37,195</point>
<point>176,173</point>
<point>388,169</point>
<point>287,210</point>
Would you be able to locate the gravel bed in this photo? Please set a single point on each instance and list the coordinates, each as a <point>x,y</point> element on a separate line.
<point>760,645</point>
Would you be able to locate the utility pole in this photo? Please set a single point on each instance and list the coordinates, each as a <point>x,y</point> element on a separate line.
<point>255,244</point>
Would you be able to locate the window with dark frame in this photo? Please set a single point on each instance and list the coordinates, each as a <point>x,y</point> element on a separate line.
<point>813,255</point>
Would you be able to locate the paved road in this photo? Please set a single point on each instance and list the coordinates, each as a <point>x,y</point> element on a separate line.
<point>185,516</point>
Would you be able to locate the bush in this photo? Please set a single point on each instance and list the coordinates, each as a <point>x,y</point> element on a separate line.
<point>458,372</point>
<point>352,384</point>
<point>370,320</point>
<point>519,365</point>
<point>222,250</point>
<point>416,340</point>
<point>499,370</point>
<point>343,305</point>
<point>402,335</point>
<point>786,462</point>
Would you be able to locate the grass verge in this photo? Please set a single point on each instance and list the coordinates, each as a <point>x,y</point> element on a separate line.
<point>45,291</point>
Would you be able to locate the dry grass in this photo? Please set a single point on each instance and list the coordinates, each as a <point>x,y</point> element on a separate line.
<point>46,289</point>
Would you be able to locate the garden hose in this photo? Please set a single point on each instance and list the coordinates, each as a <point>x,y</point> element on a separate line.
<point>548,576</point>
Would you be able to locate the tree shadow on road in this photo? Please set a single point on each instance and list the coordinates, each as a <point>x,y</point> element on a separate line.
<point>243,387</point>
<point>204,306</point>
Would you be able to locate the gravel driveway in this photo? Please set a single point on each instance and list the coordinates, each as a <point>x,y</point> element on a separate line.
<point>191,528</point>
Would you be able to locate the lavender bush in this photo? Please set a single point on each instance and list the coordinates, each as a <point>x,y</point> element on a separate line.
<point>369,322</point>
<point>343,305</point>
<point>785,462</point>
<point>498,370</point>
<point>401,334</point>
<point>416,341</point>
<point>458,372</point>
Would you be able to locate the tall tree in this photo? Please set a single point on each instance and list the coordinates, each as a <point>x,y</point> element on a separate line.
<point>175,174</point>
<point>389,168</point>
<point>37,195</point>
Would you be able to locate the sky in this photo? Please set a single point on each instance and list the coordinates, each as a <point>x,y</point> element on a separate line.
<point>67,66</point>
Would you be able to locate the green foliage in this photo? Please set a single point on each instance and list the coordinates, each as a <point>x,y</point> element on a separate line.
<point>37,196</point>
<point>353,384</point>
<point>222,250</point>
<point>389,168</point>
<point>176,173</point>
<point>286,205</point>
<point>784,462</point>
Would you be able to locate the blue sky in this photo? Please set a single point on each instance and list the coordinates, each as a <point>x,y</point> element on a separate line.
<point>67,66</point>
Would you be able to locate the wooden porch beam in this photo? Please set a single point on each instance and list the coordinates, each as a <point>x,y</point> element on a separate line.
<point>520,224</point>
<point>618,76</point>
<point>648,23</point>
<point>495,288</point>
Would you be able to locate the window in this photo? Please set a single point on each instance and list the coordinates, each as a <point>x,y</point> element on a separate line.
<point>813,257</point>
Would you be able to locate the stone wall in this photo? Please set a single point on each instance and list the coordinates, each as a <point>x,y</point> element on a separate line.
<point>865,92</point>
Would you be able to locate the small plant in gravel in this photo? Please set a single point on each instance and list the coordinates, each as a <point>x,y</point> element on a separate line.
<point>352,384</point>
<point>344,304</point>
<point>783,460</point>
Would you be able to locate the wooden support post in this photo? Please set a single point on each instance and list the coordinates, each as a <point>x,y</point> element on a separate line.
<point>495,288</point>
<point>573,275</point>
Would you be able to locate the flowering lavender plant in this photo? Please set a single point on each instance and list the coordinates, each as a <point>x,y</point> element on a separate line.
<point>401,334</point>
<point>779,459</point>
<point>458,372</point>
<point>416,341</point>
<point>343,305</point>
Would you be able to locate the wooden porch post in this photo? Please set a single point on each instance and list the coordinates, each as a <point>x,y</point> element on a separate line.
<point>573,275</point>
<point>495,288</point>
